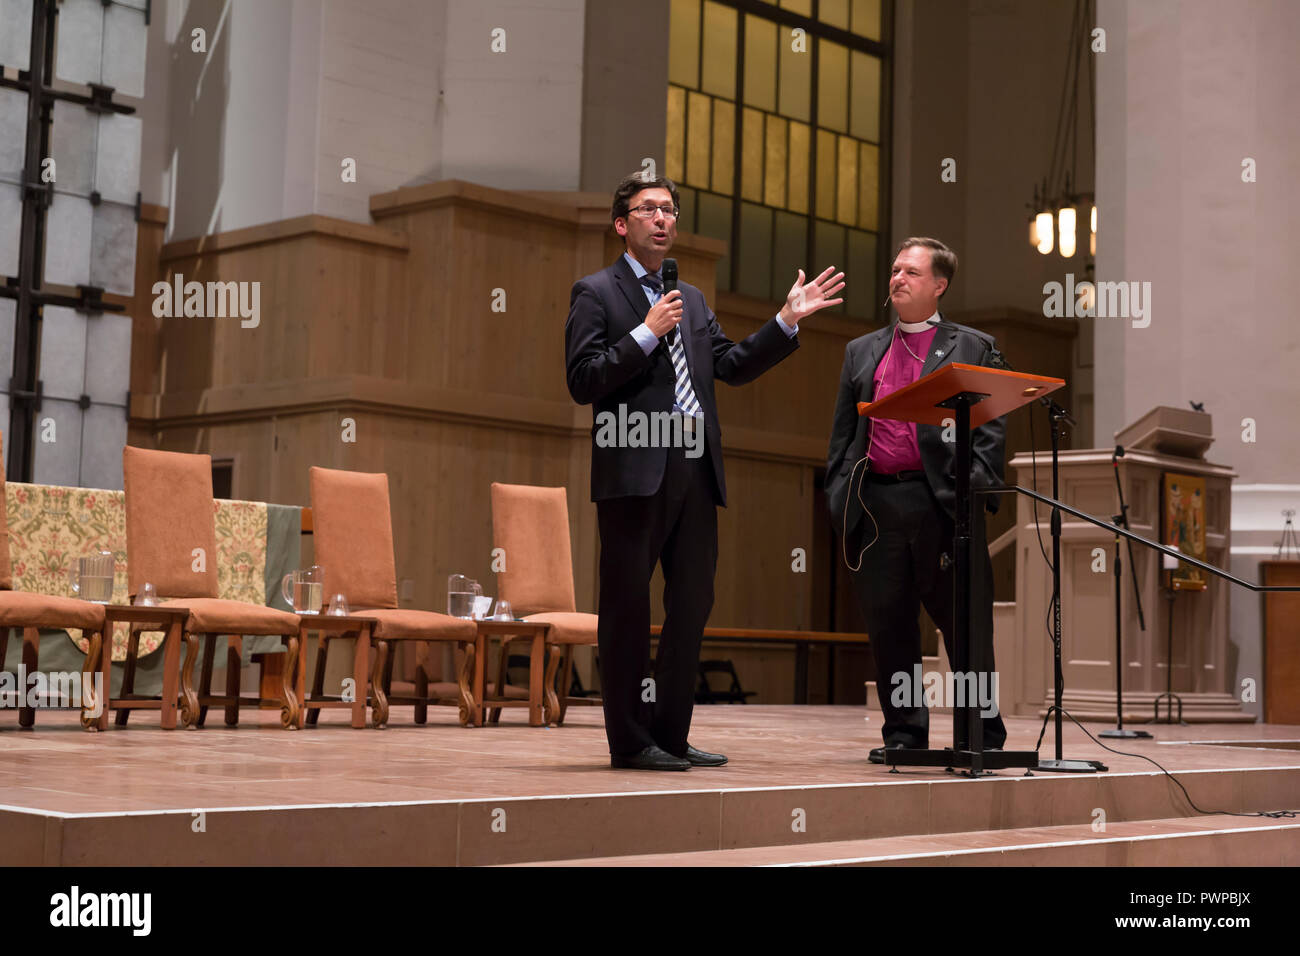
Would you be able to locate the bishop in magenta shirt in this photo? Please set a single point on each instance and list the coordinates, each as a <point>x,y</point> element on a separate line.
<point>893,445</point>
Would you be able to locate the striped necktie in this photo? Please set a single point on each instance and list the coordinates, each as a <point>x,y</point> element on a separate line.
<point>683,393</point>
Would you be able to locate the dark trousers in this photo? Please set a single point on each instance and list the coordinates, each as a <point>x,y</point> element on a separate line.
<point>678,526</point>
<point>908,566</point>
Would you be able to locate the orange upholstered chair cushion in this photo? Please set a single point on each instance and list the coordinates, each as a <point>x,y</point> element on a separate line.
<point>219,616</point>
<point>168,515</point>
<point>23,609</point>
<point>532,525</point>
<point>402,624</point>
<point>6,571</point>
<point>353,532</point>
<point>568,627</point>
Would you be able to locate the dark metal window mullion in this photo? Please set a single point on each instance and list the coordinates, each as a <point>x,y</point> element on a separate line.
<point>813,168</point>
<point>738,152</point>
<point>884,164</point>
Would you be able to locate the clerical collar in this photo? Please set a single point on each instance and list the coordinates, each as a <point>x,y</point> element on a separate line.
<point>925,326</point>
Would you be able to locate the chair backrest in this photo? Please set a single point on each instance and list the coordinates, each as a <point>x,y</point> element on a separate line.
<point>352,530</point>
<point>6,570</point>
<point>532,525</point>
<point>169,514</point>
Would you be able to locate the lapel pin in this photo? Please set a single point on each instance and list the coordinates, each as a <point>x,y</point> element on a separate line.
<point>938,353</point>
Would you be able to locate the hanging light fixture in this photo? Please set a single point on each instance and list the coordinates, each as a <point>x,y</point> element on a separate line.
<point>1057,208</point>
<point>1066,219</point>
<point>1043,231</point>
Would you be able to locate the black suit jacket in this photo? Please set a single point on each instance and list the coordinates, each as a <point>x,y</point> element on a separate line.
<point>606,368</point>
<point>849,431</point>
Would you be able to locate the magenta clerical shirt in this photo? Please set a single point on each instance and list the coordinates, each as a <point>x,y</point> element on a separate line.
<point>893,443</point>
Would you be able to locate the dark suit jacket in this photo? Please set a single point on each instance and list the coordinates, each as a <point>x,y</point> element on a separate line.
<point>958,343</point>
<point>606,368</point>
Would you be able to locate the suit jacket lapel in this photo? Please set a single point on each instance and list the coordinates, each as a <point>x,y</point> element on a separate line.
<point>631,288</point>
<point>871,360</point>
<point>940,347</point>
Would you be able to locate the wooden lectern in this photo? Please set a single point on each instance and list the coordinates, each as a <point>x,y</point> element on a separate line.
<point>970,395</point>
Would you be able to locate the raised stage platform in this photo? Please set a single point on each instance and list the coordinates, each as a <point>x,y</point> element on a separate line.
<point>798,791</point>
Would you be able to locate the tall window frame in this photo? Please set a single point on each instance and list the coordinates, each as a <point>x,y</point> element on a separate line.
<point>737,138</point>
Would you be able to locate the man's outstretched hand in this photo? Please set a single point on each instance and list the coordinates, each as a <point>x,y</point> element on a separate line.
<point>806,298</point>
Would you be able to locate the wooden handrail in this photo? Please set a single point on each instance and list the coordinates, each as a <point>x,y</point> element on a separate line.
<point>1003,541</point>
<point>776,636</point>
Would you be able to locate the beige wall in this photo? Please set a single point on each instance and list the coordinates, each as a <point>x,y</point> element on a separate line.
<point>624,90</point>
<point>1186,91</point>
<point>255,130</point>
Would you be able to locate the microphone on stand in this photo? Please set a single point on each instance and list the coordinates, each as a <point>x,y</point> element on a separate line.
<point>669,273</point>
<point>1117,454</point>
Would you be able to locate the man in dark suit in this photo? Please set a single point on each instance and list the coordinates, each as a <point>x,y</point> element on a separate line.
<point>646,360</point>
<point>891,488</point>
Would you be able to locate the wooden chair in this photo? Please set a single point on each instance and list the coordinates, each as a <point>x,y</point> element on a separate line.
<point>171,541</point>
<point>531,524</point>
<point>353,532</point>
<point>34,611</point>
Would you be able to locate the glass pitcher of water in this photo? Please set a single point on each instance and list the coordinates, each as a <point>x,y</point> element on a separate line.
<point>92,577</point>
<point>304,589</point>
<point>461,595</point>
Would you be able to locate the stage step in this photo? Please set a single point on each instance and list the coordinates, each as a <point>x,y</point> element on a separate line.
<point>1181,841</point>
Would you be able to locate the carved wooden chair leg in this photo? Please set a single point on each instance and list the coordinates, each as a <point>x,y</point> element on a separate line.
<point>388,669</point>
<point>128,674</point>
<point>234,664</point>
<point>318,679</point>
<point>422,684</point>
<point>31,659</point>
<point>91,699</point>
<point>289,694</point>
<point>205,678</point>
<point>566,682</point>
<point>189,699</point>
<point>551,704</point>
<point>465,687</point>
<point>379,709</point>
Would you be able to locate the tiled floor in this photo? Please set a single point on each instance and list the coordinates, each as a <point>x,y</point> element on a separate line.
<point>59,767</point>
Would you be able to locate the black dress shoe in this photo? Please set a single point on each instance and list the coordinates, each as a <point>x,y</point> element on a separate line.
<point>651,758</point>
<point>698,758</point>
<point>878,755</point>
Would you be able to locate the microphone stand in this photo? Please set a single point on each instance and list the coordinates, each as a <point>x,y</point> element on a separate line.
<point>1056,417</point>
<point>1121,521</point>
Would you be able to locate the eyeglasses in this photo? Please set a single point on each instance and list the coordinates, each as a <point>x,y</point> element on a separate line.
<point>648,210</point>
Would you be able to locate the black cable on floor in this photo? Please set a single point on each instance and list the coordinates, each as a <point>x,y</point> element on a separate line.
<point>1273,814</point>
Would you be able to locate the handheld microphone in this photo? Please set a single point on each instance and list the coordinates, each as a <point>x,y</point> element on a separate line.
<point>669,273</point>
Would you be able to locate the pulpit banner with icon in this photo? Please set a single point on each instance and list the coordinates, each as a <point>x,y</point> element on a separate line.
<point>1183,527</point>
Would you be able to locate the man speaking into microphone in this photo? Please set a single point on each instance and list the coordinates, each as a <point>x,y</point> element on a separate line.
<point>641,350</point>
<point>891,489</point>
